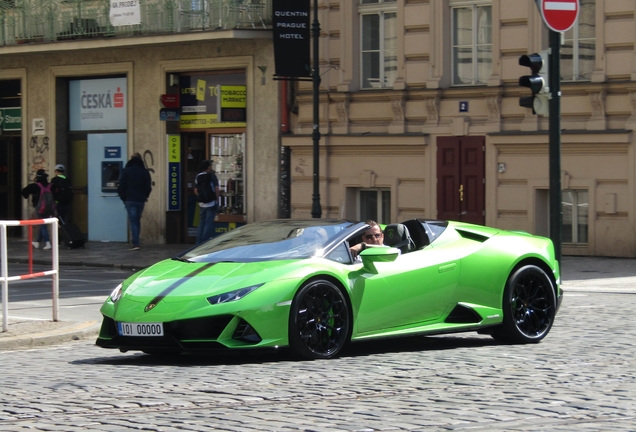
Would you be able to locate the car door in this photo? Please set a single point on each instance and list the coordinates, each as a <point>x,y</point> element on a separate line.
<point>417,287</point>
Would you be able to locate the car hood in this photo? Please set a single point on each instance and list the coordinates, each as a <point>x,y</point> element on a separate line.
<point>177,281</point>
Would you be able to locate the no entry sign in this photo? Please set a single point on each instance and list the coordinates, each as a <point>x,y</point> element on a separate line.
<point>560,15</point>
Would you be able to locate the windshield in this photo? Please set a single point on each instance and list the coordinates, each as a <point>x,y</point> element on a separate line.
<point>269,240</point>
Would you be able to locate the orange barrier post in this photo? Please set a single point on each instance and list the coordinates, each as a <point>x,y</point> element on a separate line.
<point>54,272</point>
<point>30,245</point>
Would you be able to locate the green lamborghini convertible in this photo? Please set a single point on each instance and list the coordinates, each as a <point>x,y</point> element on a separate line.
<point>295,283</point>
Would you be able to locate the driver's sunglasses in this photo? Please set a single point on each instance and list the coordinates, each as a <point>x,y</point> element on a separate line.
<point>370,236</point>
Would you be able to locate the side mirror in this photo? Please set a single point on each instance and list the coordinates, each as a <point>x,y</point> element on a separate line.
<point>371,255</point>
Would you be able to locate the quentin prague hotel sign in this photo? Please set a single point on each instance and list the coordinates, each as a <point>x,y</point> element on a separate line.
<point>291,38</point>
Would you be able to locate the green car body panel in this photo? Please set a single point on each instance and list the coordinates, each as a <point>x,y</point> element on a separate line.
<point>455,283</point>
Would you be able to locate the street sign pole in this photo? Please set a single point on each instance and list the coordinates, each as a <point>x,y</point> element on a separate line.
<point>316,210</point>
<point>556,217</point>
<point>559,16</point>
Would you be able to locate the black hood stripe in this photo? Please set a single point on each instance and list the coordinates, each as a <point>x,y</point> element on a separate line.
<point>155,301</point>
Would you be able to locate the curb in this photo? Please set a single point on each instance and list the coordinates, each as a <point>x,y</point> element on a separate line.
<point>81,264</point>
<point>73,332</point>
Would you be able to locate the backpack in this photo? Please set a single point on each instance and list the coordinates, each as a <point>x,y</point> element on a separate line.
<point>46,203</point>
<point>205,192</point>
<point>63,190</point>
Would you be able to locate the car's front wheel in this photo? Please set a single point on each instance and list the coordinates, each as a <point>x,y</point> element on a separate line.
<point>529,306</point>
<point>319,321</point>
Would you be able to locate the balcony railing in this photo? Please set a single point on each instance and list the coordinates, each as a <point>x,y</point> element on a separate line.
<point>30,21</point>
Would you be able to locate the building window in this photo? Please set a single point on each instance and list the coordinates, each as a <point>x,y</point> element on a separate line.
<point>374,204</point>
<point>578,52</point>
<point>378,43</point>
<point>574,204</point>
<point>471,43</point>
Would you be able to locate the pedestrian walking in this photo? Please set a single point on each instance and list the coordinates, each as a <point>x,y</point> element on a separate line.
<point>134,189</point>
<point>207,189</point>
<point>43,204</point>
<point>62,192</point>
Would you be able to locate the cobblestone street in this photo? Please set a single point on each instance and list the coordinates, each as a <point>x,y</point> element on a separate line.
<point>582,376</point>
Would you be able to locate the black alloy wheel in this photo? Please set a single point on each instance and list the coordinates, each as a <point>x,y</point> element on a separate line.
<point>319,321</point>
<point>529,306</point>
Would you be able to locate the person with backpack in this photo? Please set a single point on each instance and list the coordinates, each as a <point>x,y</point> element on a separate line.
<point>43,203</point>
<point>207,190</point>
<point>62,192</point>
<point>134,189</point>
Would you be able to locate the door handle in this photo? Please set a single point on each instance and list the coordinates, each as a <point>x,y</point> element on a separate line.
<point>461,192</point>
<point>447,267</point>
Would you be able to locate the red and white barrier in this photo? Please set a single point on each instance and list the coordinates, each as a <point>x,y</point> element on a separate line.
<point>54,272</point>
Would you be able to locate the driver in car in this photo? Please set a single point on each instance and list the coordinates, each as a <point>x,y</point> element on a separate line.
<point>372,236</point>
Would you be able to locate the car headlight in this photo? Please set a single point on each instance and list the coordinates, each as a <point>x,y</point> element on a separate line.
<point>232,295</point>
<point>116,294</point>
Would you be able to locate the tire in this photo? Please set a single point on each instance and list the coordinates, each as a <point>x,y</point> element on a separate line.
<point>529,307</point>
<point>319,321</point>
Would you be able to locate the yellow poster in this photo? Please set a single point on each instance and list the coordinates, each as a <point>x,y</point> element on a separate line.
<point>174,148</point>
<point>201,85</point>
<point>197,121</point>
<point>233,96</point>
<point>205,121</point>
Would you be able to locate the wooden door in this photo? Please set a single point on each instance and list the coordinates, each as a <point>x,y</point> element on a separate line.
<point>460,179</point>
<point>78,175</point>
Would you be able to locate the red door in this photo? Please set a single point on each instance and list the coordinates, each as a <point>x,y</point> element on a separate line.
<point>460,179</point>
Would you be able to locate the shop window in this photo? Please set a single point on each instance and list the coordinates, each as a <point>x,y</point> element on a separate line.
<point>227,153</point>
<point>374,204</point>
<point>578,52</point>
<point>471,43</point>
<point>574,205</point>
<point>378,43</point>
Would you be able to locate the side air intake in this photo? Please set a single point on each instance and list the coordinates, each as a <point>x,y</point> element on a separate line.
<point>463,315</point>
<point>472,236</point>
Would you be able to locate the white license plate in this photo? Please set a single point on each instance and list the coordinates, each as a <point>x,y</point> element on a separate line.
<point>140,329</point>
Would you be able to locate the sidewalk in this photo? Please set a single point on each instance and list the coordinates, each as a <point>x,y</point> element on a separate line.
<point>598,274</point>
<point>97,254</point>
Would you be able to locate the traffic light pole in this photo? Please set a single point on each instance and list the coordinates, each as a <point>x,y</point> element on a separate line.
<point>556,218</point>
<point>316,210</point>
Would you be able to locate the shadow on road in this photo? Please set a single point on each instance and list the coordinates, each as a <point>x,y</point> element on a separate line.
<point>236,357</point>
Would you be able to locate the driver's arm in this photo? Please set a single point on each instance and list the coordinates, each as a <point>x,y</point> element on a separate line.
<point>355,250</point>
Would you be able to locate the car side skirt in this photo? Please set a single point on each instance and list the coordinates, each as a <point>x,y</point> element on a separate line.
<point>489,317</point>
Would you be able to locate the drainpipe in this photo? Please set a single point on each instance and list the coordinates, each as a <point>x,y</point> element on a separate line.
<point>284,106</point>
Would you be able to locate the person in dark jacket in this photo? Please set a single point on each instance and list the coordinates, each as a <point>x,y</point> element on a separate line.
<point>63,193</point>
<point>33,189</point>
<point>134,189</point>
<point>207,211</point>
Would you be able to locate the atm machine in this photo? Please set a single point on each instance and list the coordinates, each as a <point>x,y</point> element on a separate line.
<point>107,156</point>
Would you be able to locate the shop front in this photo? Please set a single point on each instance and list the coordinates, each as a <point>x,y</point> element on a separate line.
<point>97,106</point>
<point>211,125</point>
<point>10,152</point>
<point>96,152</point>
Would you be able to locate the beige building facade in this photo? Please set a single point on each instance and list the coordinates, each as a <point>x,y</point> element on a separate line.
<point>419,114</point>
<point>420,117</point>
<point>65,79</point>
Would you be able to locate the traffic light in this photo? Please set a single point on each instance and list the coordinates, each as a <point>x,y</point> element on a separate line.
<point>537,83</point>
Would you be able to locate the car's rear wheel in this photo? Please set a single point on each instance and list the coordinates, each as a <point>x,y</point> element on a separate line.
<point>529,306</point>
<point>319,321</point>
